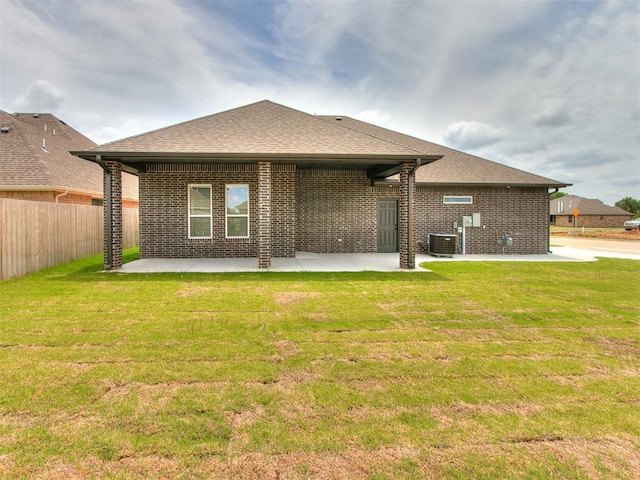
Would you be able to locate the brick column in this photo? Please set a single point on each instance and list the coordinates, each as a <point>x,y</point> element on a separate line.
<point>113,215</point>
<point>264,215</point>
<point>405,223</point>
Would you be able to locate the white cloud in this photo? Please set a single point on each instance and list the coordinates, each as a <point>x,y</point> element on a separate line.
<point>41,96</point>
<point>472,135</point>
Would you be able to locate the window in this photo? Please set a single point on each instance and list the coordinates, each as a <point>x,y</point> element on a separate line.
<point>199,211</point>
<point>237,208</point>
<point>457,199</point>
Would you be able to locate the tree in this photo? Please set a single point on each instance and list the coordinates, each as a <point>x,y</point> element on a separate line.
<point>553,196</point>
<point>629,204</point>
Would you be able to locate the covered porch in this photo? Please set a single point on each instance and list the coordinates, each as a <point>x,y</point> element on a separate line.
<point>376,169</point>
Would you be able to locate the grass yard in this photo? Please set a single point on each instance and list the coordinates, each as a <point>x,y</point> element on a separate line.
<point>478,370</point>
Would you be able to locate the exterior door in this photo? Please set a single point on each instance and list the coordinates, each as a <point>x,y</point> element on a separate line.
<point>387,226</point>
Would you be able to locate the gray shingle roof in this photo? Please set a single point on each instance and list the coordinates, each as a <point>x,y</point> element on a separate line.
<point>455,167</point>
<point>260,128</point>
<point>586,206</point>
<point>25,164</point>
<point>266,128</point>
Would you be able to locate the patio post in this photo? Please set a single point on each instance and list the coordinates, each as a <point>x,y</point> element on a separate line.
<point>112,213</point>
<point>405,220</point>
<point>264,215</point>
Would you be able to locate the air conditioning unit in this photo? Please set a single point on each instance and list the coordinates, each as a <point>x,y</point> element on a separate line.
<point>442,244</point>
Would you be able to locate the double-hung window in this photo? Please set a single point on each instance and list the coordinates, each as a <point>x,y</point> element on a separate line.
<point>237,210</point>
<point>200,221</point>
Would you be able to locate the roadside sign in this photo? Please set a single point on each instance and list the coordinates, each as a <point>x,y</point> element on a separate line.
<point>576,212</point>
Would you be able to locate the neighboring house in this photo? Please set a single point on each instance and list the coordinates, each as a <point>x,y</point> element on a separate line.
<point>266,180</point>
<point>35,163</point>
<point>591,213</point>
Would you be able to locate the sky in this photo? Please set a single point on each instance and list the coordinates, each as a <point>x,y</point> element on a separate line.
<point>550,87</point>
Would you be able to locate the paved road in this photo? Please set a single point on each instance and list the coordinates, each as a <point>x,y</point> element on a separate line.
<point>597,244</point>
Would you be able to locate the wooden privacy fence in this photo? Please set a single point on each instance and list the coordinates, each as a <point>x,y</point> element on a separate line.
<point>38,235</point>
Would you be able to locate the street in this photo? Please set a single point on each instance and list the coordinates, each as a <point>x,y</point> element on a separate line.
<point>624,247</point>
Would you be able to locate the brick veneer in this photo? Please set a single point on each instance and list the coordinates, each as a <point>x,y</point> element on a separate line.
<point>116,215</point>
<point>591,221</point>
<point>328,211</point>
<point>337,211</point>
<point>407,255</point>
<point>164,216</point>
<point>264,215</point>
<point>523,212</point>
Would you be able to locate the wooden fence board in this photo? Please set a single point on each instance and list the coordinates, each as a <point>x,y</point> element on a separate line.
<point>39,235</point>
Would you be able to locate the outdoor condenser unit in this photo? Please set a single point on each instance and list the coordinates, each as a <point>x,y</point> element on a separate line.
<point>442,244</point>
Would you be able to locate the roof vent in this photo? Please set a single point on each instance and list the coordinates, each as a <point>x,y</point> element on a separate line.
<point>6,129</point>
<point>36,115</point>
<point>338,118</point>
<point>44,146</point>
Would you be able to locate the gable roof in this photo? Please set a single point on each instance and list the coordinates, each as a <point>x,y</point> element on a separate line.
<point>262,128</point>
<point>34,152</point>
<point>586,206</point>
<point>34,155</point>
<point>278,133</point>
<point>455,167</point>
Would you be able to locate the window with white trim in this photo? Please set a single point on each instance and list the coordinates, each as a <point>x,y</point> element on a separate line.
<point>457,199</point>
<point>237,210</point>
<point>200,221</point>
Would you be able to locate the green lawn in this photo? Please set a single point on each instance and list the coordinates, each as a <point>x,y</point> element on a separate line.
<point>478,370</point>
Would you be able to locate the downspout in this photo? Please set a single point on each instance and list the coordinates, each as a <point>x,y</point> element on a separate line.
<point>63,194</point>
<point>410,182</point>
<point>108,231</point>
<point>556,190</point>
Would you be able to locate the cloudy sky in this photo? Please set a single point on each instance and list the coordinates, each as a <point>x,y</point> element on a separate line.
<point>552,87</point>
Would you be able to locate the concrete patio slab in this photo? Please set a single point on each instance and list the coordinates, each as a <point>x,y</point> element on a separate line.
<point>348,262</point>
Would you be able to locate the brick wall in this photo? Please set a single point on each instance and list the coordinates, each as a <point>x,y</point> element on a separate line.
<point>328,211</point>
<point>283,210</point>
<point>591,221</point>
<point>521,211</point>
<point>337,211</point>
<point>342,205</point>
<point>164,212</point>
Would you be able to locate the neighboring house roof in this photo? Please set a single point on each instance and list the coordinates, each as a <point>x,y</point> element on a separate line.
<point>455,167</point>
<point>271,131</point>
<point>34,155</point>
<point>586,206</point>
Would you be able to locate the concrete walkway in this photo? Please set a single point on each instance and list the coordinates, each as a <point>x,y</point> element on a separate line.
<point>346,262</point>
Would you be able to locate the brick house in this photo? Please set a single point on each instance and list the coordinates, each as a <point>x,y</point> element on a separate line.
<point>266,180</point>
<point>35,163</point>
<point>592,213</point>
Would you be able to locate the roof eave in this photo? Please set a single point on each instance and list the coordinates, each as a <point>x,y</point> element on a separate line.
<point>155,157</point>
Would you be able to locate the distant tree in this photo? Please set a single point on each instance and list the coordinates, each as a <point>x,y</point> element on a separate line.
<point>553,196</point>
<point>629,204</point>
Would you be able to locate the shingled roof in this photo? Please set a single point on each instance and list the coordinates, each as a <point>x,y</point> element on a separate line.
<point>262,128</point>
<point>455,167</point>
<point>586,206</point>
<point>34,155</point>
<point>269,130</point>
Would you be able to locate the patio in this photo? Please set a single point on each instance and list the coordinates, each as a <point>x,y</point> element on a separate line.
<point>324,262</point>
